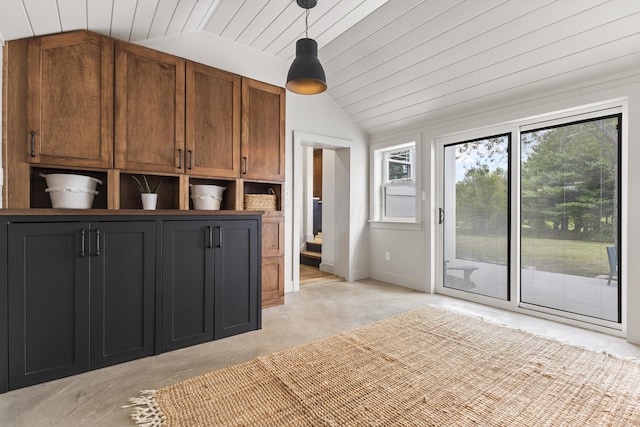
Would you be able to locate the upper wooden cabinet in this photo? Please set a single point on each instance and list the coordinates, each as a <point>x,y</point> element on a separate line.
<point>263,142</point>
<point>149,119</point>
<point>212,122</point>
<point>70,100</point>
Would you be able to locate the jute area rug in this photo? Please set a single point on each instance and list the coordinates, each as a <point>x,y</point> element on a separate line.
<point>428,367</point>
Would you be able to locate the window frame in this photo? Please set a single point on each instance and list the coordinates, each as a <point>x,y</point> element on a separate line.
<point>380,182</point>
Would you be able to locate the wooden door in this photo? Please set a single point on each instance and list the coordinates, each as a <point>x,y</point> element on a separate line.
<point>48,295</point>
<point>212,122</point>
<point>237,289</point>
<point>263,125</point>
<point>70,100</point>
<point>123,279</point>
<point>187,283</point>
<point>149,120</point>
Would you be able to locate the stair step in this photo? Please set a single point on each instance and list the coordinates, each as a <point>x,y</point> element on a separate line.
<point>311,254</point>
<point>314,247</point>
<point>310,258</point>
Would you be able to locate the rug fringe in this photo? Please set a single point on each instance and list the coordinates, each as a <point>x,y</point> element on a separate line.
<point>146,412</point>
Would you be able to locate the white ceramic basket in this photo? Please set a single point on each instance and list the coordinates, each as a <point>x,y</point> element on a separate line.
<point>206,197</point>
<point>208,202</point>
<point>68,191</point>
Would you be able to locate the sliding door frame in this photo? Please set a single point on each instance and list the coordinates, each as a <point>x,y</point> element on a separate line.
<point>604,109</point>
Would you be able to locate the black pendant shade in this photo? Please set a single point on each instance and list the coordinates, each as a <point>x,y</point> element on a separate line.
<point>306,75</point>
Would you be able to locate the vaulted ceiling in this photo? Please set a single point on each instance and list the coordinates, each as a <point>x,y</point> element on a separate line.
<point>389,63</point>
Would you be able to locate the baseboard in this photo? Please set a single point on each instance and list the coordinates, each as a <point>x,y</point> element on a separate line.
<point>400,280</point>
<point>327,267</point>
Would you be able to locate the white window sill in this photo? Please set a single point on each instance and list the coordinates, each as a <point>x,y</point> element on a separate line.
<point>395,225</point>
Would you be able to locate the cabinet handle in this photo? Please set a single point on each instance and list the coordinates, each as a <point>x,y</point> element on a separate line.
<point>98,242</point>
<point>244,165</point>
<point>82,241</point>
<point>219,236</point>
<point>33,143</point>
<point>210,245</point>
<point>190,159</point>
<point>179,158</point>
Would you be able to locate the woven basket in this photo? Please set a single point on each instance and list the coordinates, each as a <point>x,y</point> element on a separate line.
<point>261,202</point>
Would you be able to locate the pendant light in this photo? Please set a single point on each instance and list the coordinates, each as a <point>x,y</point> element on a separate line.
<point>306,75</point>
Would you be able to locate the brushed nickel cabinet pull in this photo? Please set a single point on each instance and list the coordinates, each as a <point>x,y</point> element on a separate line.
<point>98,242</point>
<point>82,242</point>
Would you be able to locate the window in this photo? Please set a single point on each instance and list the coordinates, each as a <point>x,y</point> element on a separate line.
<point>395,170</point>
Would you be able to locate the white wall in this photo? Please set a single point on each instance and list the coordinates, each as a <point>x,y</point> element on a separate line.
<point>317,114</point>
<point>415,266</point>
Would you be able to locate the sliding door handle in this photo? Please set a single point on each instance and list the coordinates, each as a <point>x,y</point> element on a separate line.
<point>440,216</point>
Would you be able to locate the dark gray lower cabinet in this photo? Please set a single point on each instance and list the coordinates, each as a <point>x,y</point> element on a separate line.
<point>87,291</point>
<point>48,301</point>
<point>187,283</point>
<point>237,294</point>
<point>123,288</point>
<point>210,280</point>
<point>81,296</point>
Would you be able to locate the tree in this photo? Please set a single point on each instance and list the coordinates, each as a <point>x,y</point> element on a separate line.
<point>569,180</point>
<point>482,201</point>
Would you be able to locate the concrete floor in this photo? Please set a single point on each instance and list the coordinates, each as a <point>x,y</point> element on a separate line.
<point>95,398</point>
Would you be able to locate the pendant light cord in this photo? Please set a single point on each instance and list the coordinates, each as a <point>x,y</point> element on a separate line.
<point>306,24</point>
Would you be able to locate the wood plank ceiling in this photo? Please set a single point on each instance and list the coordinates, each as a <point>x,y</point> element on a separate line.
<point>390,64</point>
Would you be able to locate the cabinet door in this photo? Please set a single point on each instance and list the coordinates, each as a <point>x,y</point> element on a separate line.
<point>48,294</point>
<point>212,122</point>
<point>272,281</point>
<point>187,283</point>
<point>70,100</point>
<point>123,270</point>
<point>149,122</point>
<point>263,121</point>
<point>273,234</point>
<point>237,289</point>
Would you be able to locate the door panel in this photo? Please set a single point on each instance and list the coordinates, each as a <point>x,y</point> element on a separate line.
<point>187,283</point>
<point>48,294</point>
<point>476,217</point>
<point>237,258</point>
<point>122,291</point>
<point>570,218</point>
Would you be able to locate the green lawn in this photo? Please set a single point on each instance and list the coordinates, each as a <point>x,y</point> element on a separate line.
<point>588,259</point>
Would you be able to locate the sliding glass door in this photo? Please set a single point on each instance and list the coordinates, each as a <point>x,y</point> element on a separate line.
<point>475,216</point>
<point>535,223</point>
<point>569,217</point>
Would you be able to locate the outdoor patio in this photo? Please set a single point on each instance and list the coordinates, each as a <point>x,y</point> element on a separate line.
<point>583,295</point>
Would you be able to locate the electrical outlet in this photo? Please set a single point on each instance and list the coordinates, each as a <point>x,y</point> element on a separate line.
<point>387,256</point>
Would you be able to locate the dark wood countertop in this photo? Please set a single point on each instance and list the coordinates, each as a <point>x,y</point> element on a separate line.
<point>124,212</point>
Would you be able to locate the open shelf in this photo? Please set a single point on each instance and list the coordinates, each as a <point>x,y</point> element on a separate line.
<point>39,198</point>
<point>229,199</point>
<point>264,188</point>
<point>168,193</point>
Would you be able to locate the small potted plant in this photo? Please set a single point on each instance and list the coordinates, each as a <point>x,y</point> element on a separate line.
<point>148,194</point>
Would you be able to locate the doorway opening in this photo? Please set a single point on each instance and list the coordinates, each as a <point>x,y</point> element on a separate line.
<point>321,192</point>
